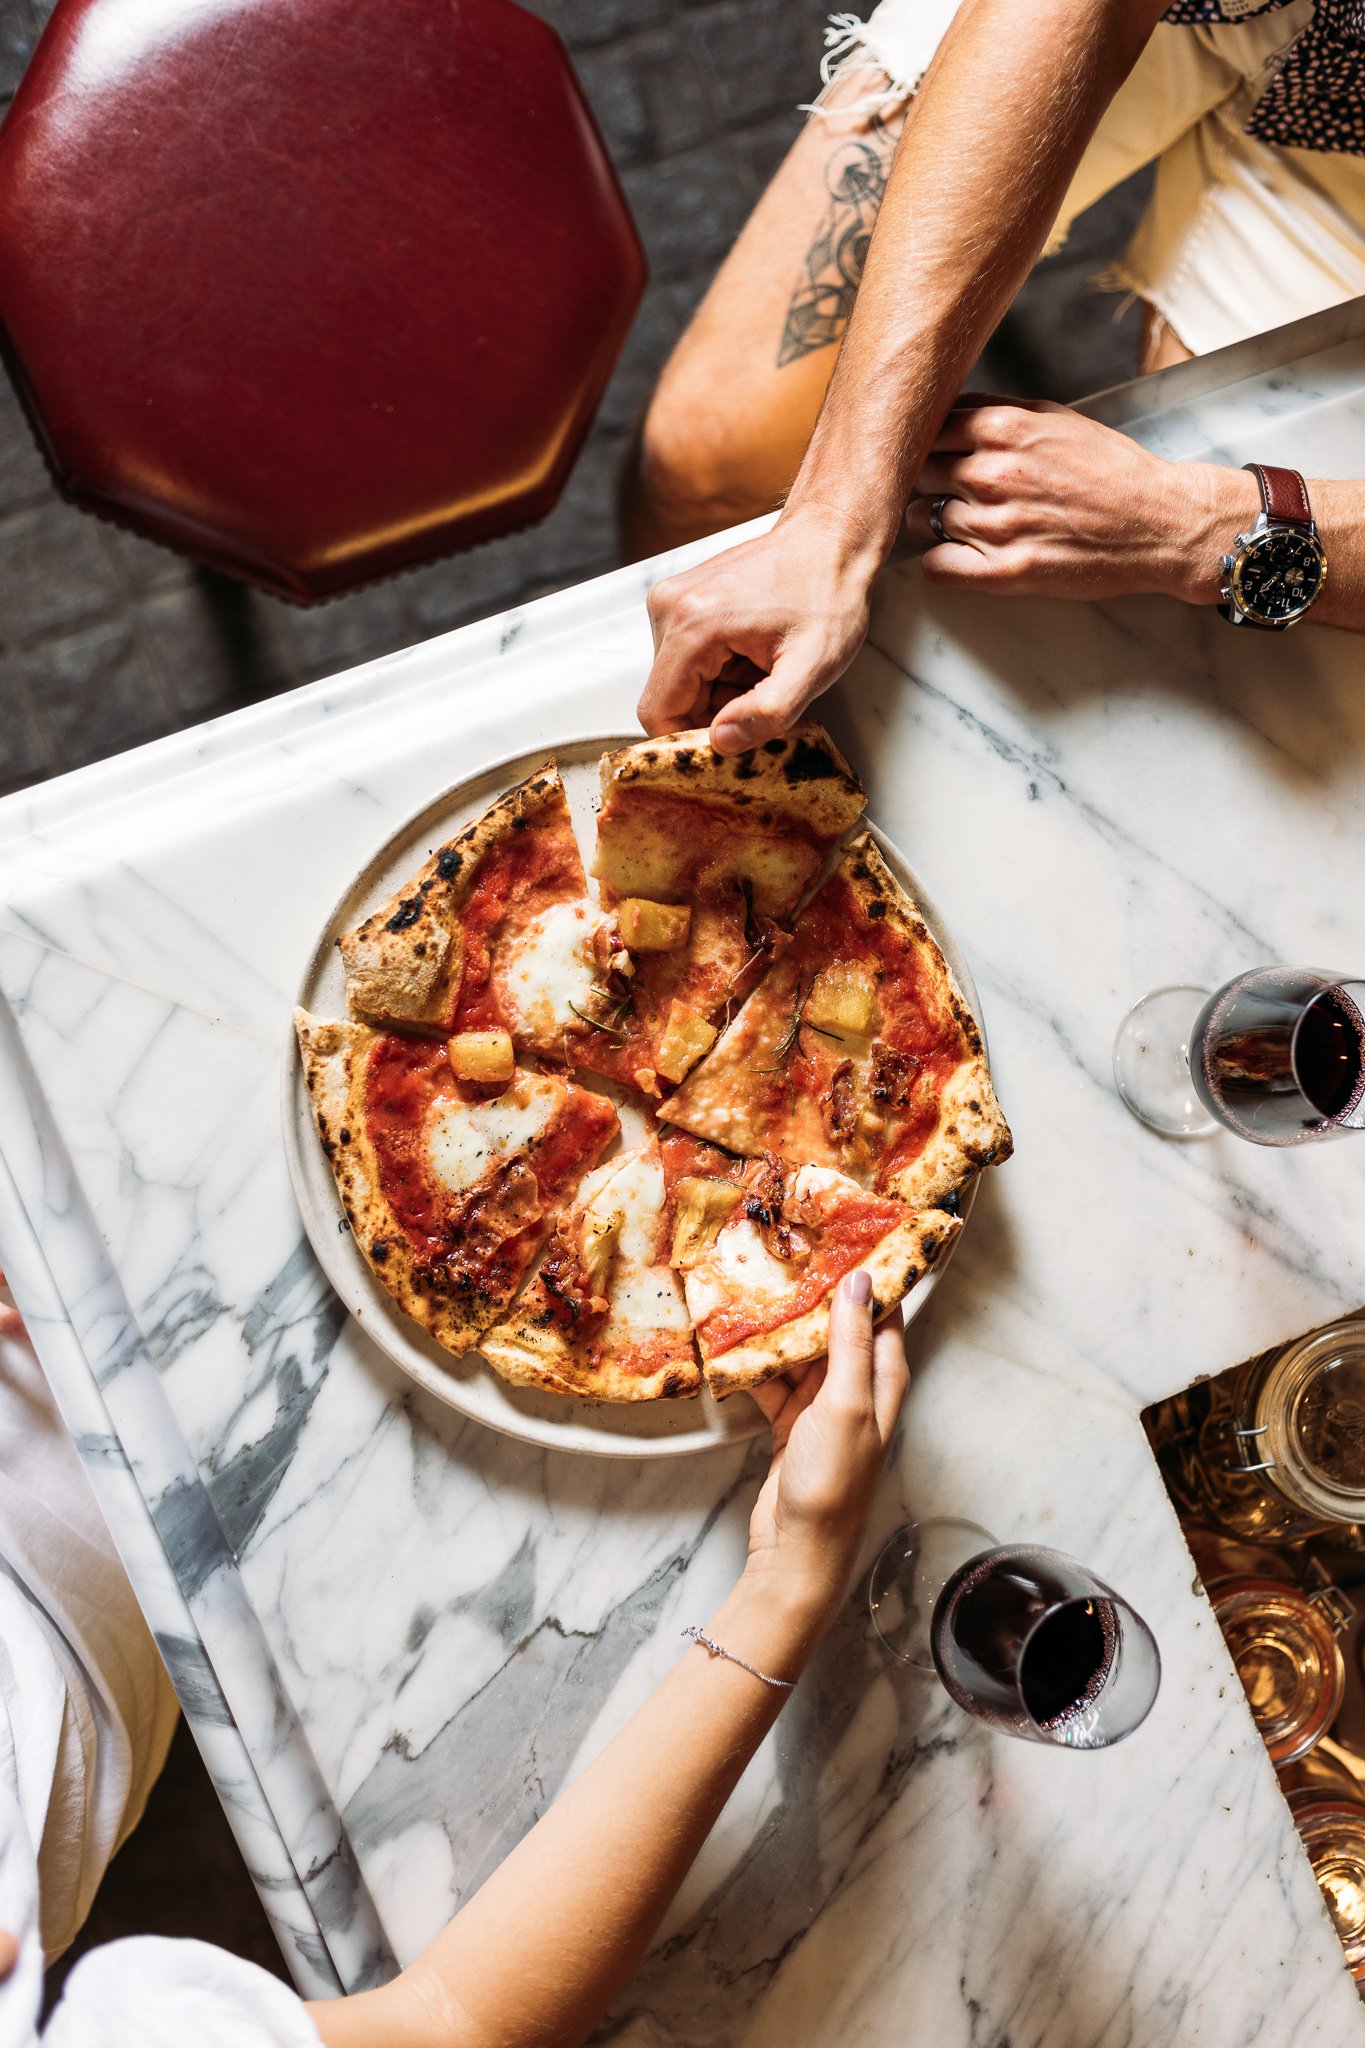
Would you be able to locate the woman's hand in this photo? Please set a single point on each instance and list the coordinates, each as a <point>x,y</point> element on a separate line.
<point>776,620</point>
<point>1046,503</point>
<point>832,1426</point>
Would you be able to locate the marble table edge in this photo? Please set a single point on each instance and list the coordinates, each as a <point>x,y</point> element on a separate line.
<point>273,1864</point>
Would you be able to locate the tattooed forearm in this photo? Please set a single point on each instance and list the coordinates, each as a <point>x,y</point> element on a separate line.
<point>823,300</point>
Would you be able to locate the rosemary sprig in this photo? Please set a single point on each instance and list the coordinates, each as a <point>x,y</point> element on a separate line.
<point>620,1003</point>
<point>790,1040</point>
<point>598,1025</point>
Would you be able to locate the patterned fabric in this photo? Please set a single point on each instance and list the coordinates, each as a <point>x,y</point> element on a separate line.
<point>1317,98</point>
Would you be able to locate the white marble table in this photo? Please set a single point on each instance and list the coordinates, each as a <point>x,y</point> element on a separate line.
<point>397,1634</point>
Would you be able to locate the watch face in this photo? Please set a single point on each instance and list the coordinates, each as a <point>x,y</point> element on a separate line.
<point>1278,574</point>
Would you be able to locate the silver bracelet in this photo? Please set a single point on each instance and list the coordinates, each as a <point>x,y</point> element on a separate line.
<point>714,1649</point>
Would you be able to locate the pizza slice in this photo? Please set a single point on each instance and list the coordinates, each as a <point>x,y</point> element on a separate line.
<point>700,856</point>
<point>605,1317</point>
<point>496,933</point>
<point>857,1051</point>
<point>761,1252</point>
<point>449,1184</point>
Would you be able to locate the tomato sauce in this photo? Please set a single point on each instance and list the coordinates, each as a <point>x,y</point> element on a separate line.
<point>914,1021</point>
<point>701,836</point>
<point>485,1235</point>
<point>850,1226</point>
<point>530,869</point>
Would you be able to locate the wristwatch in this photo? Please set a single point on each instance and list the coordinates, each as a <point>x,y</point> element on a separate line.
<point>1276,571</point>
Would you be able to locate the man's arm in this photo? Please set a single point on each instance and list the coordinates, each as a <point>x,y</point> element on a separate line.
<point>540,1951</point>
<point>993,138</point>
<point>1046,503</point>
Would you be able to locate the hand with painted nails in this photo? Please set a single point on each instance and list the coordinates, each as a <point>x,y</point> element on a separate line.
<point>832,1424</point>
<point>746,641</point>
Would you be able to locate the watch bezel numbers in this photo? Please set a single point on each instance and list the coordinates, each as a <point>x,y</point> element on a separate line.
<point>1254,548</point>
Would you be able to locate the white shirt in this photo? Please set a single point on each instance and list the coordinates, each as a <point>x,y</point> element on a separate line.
<point>86,1714</point>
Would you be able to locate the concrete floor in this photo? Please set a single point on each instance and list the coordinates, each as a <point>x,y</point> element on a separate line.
<point>106,641</point>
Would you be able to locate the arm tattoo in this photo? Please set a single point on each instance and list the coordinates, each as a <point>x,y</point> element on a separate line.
<point>823,300</point>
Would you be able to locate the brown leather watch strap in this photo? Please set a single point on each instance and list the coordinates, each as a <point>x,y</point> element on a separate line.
<point>1284,494</point>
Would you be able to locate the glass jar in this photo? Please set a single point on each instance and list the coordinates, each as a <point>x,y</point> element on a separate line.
<point>1321,1774</point>
<point>1333,1832</point>
<point>1281,1448</point>
<point>1288,1659</point>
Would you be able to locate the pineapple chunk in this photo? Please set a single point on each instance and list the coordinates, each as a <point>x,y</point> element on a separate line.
<point>601,1235</point>
<point>686,1036</point>
<point>843,999</point>
<point>703,1206</point>
<point>647,927</point>
<point>481,1055</point>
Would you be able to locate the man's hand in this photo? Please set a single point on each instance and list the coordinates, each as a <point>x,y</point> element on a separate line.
<point>1045,503</point>
<point>778,618</point>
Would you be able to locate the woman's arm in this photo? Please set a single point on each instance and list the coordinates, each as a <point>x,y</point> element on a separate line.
<point>1048,503</point>
<point>995,132</point>
<point>541,1950</point>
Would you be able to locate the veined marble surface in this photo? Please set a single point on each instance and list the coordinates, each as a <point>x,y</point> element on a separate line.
<point>398,1634</point>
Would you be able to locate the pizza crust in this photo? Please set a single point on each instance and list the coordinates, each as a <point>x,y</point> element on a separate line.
<point>334,1056</point>
<point>895,1265</point>
<point>972,1132</point>
<point>801,780</point>
<point>802,775</point>
<point>404,963</point>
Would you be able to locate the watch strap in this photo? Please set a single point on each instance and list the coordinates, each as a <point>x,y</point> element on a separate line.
<point>1284,494</point>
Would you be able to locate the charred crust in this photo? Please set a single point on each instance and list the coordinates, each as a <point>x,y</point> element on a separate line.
<point>928,1245</point>
<point>877,907</point>
<point>449,862</point>
<point>675,1383</point>
<point>345,1135</point>
<point>809,762</point>
<point>774,746</point>
<point>951,1203</point>
<point>379,1251</point>
<point>420,950</point>
<point>745,770</point>
<point>407,913</point>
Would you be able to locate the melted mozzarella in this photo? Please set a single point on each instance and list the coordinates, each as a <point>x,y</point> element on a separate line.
<point>645,1295</point>
<point>739,1264</point>
<point>549,972</point>
<point>468,1139</point>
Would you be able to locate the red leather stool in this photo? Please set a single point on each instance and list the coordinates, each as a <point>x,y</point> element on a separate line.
<point>312,290</point>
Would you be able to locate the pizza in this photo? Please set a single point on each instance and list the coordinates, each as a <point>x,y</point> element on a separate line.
<point>817,1086</point>
<point>701,856</point>
<point>761,1251</point>
<point>856,1051</point>
<point>605,1316</point>
<point>496,933</point>
<point>449,1190</point>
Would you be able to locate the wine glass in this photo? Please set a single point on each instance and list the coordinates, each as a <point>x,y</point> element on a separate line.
<point>1022,1637</point>
<point>1276,1055</point>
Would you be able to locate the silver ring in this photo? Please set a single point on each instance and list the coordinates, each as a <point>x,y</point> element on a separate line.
<point>936,515</point>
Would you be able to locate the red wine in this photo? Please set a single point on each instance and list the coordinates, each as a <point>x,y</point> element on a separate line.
<point>1066,1660</point>
<point>1279,1055</point>
<point>1018,1638</point>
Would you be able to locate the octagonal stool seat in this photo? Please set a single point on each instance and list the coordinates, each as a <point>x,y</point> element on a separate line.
<point>311,290</point>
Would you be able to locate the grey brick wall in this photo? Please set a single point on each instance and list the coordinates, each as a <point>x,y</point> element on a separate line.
<point>106,641</point>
